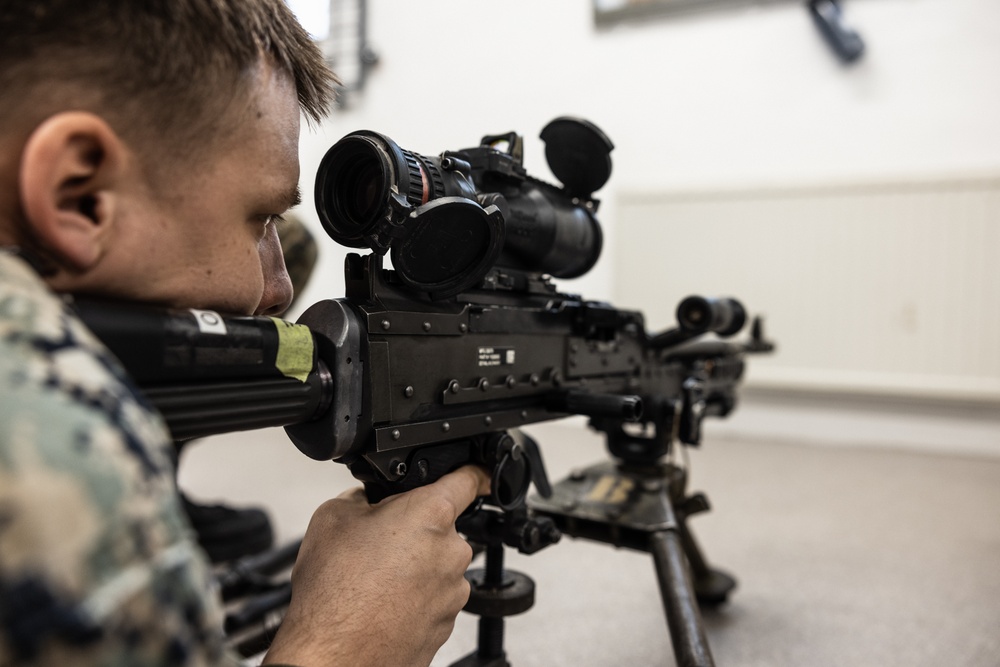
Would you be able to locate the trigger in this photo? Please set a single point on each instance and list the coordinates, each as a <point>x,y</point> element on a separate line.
<point>476,505</point>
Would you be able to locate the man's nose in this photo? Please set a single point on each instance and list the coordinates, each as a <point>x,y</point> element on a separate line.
<point>277,295</point>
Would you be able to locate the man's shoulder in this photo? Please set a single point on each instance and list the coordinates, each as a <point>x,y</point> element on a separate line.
<point>92,537</point>
<point>31,314</point>
<point>55,372</point>
<point>80,451</point>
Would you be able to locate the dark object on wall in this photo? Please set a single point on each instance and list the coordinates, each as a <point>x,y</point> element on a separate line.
<point>844,41</point>
<point>347,48</point>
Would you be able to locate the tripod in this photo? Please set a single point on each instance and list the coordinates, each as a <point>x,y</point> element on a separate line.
<point>636,501</point>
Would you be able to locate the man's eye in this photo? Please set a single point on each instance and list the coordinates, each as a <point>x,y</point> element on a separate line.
<point>269,219</point>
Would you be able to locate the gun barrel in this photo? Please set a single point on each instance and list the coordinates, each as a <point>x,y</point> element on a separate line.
<point>698,314</point>
<point>195,410</point>
<point>210,374</point>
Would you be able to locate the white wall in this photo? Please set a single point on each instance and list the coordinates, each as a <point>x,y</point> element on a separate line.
<point>888,289</point>
<point>726,99</point>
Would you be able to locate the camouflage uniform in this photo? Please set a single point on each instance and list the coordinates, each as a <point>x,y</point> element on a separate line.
<point>97,564</point>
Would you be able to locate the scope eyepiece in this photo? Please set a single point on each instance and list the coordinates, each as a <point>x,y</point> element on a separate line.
<point>355,184</point>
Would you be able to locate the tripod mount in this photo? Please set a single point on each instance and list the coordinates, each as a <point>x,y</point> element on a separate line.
<point>497,592</point>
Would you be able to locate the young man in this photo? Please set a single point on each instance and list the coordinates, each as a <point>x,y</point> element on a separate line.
<point>146,151</point>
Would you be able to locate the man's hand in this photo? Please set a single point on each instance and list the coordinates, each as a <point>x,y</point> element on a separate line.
<point>380,584</point>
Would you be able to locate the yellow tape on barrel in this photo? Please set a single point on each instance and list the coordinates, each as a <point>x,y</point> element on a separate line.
<point>295,349</point>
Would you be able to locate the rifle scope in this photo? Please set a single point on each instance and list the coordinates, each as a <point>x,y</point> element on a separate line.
<point>450,219</point>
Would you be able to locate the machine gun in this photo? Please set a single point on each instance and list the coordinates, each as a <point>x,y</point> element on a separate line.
<point>440,361</point>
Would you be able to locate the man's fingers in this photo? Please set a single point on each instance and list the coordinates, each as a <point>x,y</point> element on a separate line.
<point>481,477</point>
<point>462,486</point>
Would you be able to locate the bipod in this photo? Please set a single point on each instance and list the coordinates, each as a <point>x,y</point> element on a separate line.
<point>498,592</point>
<point>642,507</point>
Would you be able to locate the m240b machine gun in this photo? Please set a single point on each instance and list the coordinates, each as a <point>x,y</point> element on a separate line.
<point>440,361</point>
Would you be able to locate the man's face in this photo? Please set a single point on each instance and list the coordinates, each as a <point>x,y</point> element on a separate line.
<point>207,238</point>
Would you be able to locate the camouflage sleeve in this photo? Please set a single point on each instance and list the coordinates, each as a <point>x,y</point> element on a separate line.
<point>97,565</point>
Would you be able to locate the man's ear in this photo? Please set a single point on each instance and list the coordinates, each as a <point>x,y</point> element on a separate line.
<point>70,179</point>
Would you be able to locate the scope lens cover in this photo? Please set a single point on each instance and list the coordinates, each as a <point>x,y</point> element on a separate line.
<point>450,244</point>
<point>579,154</point>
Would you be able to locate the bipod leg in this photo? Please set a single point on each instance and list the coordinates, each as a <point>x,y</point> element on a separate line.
<point>711,586</point>
<point>687,633</point>
<point>633,506</point>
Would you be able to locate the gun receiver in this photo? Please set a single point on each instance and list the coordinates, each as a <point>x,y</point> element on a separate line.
<point>449,375</point>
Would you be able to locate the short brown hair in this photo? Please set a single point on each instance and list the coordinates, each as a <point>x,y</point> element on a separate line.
<point>161,67</point>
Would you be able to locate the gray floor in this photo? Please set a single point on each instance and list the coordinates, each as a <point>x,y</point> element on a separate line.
<point>858,539</point>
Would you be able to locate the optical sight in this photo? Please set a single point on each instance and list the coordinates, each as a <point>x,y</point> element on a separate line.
<point>449,220</point>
